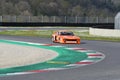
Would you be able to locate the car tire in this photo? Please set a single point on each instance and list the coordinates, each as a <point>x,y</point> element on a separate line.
<point>53,40</point>
<point>64,41</point>
<point>61,41</point>
<point>78,42</point>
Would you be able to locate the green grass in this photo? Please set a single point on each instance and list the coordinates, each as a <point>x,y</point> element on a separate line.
<point>47,33</point>
<point>42,33</point>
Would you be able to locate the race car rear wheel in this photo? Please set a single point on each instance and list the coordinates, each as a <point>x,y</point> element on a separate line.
<point>53,40</point>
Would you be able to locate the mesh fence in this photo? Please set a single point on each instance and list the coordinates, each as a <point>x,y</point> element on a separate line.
<point>57,19</point>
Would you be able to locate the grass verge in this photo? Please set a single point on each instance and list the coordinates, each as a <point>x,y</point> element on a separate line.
<point>47,33</point>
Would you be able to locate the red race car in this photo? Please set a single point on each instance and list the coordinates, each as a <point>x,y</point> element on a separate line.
<point>64,36</point>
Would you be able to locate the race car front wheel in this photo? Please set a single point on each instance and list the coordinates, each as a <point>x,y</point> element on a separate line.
<point>78,42</point>
<point>62,41</point>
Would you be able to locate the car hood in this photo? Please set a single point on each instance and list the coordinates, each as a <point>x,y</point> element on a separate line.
<point>70,37</point>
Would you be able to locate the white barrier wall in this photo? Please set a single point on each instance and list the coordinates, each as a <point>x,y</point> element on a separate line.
<point>104,32</point>
<point>117,21</point>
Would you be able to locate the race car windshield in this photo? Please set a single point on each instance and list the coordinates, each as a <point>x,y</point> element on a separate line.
<point>67,33</point>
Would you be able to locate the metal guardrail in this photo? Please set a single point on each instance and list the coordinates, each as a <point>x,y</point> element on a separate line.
<point>56,19</point>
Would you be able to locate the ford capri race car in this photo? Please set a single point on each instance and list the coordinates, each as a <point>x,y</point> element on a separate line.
<point>64,36</point>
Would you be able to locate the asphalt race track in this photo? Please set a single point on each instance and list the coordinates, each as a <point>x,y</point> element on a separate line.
<point>107,69</point>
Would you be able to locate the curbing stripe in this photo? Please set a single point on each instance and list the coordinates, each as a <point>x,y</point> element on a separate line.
<point>58,46</point>
<point>77,48</point>
<point>92,58</point>
<point>47,44</point>
<point>76,65</point>
<point>57,62</point>
<point>84,62</point>
<point>53,69</point>
<point>35,43</point>
<point>95,55</point>
<point>37,71</point>
<point>95,59</point>
<point>17,73</point>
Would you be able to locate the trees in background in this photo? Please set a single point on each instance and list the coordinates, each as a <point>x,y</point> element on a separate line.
<point>60,7</point>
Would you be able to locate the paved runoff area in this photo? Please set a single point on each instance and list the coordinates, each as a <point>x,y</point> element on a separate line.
<point>16,55</point>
